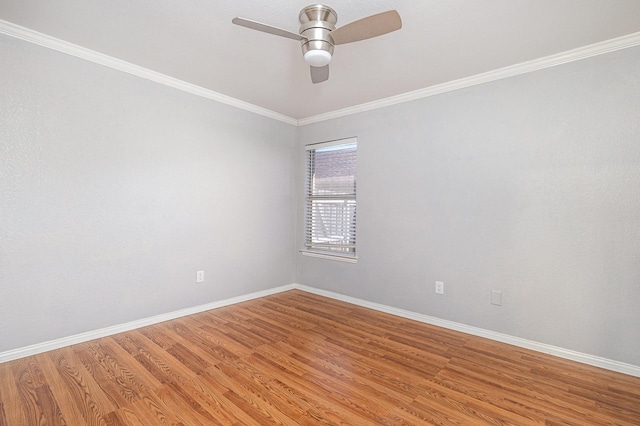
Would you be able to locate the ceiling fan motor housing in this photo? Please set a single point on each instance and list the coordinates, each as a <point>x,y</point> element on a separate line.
<point>316,24</point>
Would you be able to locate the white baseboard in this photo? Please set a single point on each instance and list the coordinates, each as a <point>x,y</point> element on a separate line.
<point>109,331</point>
<point>607,364</point>
<point>620,367</point>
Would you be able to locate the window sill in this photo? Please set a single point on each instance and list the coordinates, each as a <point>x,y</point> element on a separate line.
<point>336,257</point>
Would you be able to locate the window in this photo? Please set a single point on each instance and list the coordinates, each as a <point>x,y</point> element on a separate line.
<point>331,198</point>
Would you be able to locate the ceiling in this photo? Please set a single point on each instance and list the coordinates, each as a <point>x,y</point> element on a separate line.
<point>441,41</point>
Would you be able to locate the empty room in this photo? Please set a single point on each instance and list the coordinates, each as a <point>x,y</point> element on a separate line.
<point>355,213</point>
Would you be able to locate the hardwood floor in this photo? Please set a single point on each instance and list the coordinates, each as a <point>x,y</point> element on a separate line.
<point>297,358</point>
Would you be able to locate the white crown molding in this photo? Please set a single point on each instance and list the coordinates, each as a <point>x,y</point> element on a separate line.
<point>596,49</point>
<point>35,37</point>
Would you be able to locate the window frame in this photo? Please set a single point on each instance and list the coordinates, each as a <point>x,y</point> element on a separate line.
<point>348,251</point>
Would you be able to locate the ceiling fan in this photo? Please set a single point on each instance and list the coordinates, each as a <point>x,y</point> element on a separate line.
<point>318,33</point>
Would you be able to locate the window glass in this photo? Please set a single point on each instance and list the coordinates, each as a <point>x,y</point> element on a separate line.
<point>331,197</point>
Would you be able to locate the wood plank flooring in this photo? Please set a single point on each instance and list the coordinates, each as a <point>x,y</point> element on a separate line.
<point>297,358</point>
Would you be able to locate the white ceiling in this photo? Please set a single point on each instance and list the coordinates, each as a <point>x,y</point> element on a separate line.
<point>441,41</point>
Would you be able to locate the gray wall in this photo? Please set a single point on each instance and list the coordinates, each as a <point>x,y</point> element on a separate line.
<point>528,185</point>
<point>114,190</point>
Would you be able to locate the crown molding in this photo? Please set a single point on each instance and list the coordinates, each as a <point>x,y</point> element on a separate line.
<point>35,37</point>
<point>584,52</point>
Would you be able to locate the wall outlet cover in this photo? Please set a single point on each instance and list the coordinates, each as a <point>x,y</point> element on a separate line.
<point>496,297</point>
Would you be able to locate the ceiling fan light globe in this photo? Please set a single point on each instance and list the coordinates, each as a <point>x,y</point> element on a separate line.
<point>317,58</point>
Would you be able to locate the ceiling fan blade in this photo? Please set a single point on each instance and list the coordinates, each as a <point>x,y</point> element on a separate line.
<point>319,74</point>
<point>254,25</point>
<point>368,27</point>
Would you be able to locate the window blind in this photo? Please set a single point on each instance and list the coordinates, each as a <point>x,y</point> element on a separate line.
<point>331,197</point>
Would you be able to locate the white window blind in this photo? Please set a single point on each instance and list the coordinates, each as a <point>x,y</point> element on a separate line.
<point>331,197</point>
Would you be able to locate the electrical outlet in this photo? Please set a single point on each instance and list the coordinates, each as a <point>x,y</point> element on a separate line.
<point>439,287</point>
<point>496,297</point>
<point>200,276</point>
